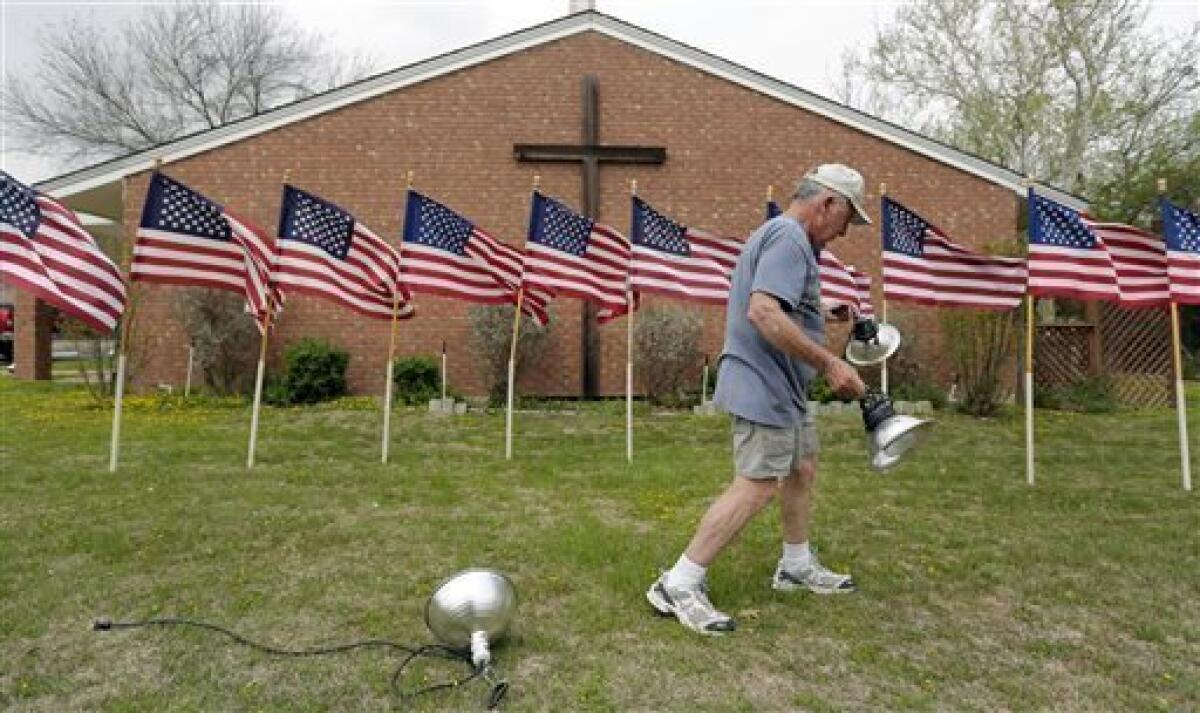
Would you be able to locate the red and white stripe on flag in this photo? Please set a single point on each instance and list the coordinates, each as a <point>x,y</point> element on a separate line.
<point>325,252</point>
<point>1181,230</point>
<point>445,254</point>
<point>671,259</point>
<point>45,249</point>
<point>921,264</point>
<point>186,239</point>
<point>842,285</point>
<point>1071,255</point>
<point>569,255</point>
<point>263,298</point>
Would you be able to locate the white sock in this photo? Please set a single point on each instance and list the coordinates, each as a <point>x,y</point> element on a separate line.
<point>798,554</point>
<point>686,574</point>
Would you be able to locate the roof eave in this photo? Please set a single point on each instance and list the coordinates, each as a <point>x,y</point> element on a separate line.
<point>99,179</point>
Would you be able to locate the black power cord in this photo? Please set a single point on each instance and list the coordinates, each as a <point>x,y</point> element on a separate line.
<point>496,693</point>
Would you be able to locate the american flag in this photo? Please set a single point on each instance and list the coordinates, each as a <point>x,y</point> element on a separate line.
<point>325,252</point>
<point>672,259</point>
<point>46,250</point>
<point>446,254</point>
<point>921,264</point>
<point>841,284</point>
<point>186,239</point>
<point>1071,255</point>
<point>568,254</point>
<point>1181,227</point>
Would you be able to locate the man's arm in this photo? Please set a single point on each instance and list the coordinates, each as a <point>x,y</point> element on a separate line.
<point>774,325</point>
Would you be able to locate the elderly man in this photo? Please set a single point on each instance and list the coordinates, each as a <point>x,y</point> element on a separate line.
<point>774,345</point>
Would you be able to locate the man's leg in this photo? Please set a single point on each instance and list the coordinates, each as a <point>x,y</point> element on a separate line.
<point>795,500</point>
<point>799,568</point>
<point>681,590</point>
<point>762,455</point>
<point>726,517</point>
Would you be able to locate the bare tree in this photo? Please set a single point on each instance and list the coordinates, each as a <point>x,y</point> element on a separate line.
<point>177,68</point>
<point>223,335</point>
<point>1074,92</point>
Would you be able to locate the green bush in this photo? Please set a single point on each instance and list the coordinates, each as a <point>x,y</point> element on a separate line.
<point>666,353</point>
<point>818,390</point>
<point>314,371</point>
<point>1088,395</point>
<point>491,342</point>
<point>981,344</point>
<point>918,391</point>
<point>416,380</point>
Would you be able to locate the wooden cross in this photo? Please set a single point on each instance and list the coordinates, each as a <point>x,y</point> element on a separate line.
<point>590,153</point>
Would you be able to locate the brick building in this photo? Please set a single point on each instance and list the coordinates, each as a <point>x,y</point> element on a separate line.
<point>728,133</point>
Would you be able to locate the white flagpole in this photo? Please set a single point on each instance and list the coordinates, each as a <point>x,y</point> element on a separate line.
<point>629,379</point>
<point>1180,401</point>
<point>704,383</point>
<point>629,360</point>
<point>1029,336</point>
<point>258,384</point>
<point>387,389</point>
<point>114,451</point>
<point>1180,397</point>
<point>512,376</point>
<point>883,367</point>
<point>883,370</point>
<point>443,372</point>
<point>187,383</point>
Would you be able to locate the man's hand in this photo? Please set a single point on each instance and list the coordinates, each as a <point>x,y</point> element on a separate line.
<point>844,380</point>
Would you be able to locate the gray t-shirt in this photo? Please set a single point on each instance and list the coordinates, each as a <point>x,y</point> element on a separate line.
<point>755,380</point>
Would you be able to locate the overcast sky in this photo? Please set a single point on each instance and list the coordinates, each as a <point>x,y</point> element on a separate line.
<point>798,41</point>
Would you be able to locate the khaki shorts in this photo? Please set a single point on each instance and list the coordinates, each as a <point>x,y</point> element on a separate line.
<point>762,452</point>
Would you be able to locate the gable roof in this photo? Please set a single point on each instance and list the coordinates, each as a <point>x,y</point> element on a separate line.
<point>94,188</point>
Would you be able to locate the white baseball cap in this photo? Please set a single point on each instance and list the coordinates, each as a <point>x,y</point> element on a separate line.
<point>845,181</point>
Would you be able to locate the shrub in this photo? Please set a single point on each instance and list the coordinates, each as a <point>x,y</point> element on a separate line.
<point>491,337</point>
<point>314,371</point>
<point>980,345</point>
<point>416,380</point>
<point>666,353</point>
<point>818,390</point>
<point>912,374</point>
<point>224,338</point>
<point>1088,395</point>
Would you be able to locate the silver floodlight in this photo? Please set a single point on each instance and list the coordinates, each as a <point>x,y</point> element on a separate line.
<point>470,609</point>
<point>889,435</point>
<point>871,343</point>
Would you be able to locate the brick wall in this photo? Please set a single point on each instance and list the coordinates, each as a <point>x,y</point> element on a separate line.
<point>724,144</point>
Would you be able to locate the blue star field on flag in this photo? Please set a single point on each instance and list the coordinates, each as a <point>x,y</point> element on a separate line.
<point>1052,223</point>
<point>559,227</point>
<point>1181,228</point>
<point>656,231</point>
<point>433,224</point>
<point>18,206</point>
<point>173,207</point>
<point>903,230</point>
<point>311,220</point>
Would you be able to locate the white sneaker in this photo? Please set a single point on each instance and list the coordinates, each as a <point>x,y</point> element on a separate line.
<point>814,577</point>
<point>690,606</point>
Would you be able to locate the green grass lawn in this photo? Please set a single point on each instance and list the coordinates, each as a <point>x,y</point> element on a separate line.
<point>978,592</point>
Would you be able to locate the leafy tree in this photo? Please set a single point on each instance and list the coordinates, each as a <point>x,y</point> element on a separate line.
<point>1077,93</point>
<point>175,69</point>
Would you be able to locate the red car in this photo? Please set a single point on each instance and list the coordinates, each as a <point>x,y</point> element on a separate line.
<point>7,324</point>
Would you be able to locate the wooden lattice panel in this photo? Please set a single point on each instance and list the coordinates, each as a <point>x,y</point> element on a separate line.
<point>1136,348</point>
<point>1060,354</point>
